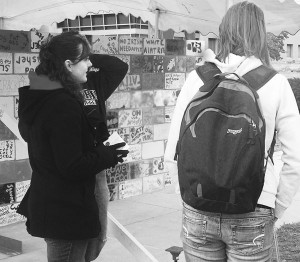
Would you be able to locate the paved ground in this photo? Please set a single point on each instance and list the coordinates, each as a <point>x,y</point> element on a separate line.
<point>153,219</point>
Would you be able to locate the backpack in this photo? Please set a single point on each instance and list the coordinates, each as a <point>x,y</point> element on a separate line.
<point>221,147</point>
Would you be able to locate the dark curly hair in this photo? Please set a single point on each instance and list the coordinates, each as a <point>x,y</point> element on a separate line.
<point>55,50</point>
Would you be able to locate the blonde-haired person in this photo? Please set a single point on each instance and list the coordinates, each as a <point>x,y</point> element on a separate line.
<point>243,47</point>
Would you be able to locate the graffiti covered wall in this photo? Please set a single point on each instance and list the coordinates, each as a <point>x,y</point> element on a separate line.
<point>140,110</point>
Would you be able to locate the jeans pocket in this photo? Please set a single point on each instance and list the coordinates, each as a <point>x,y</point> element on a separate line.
<point>194,231</point>
<point>248,239</point>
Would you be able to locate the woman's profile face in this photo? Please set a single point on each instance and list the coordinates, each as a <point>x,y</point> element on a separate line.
<point>79,70</point>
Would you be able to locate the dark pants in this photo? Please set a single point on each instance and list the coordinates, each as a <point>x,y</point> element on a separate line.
<point>83,250</point>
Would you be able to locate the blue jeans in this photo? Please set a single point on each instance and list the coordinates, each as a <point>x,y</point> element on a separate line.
<point>225,237</point>
<point>66,250</point>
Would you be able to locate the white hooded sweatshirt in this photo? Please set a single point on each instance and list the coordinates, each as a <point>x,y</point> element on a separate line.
<point>280,112</point>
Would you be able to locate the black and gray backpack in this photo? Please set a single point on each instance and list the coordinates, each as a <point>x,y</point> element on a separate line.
<point>221,146</point>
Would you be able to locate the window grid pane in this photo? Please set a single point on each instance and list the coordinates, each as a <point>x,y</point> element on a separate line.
<point>110,27</point>
<point>122,19</point>
<point>97,19</point>
<point>74,23</point>
<point>103,22</point>
<point>85,21</point>
<point>109,19</point>
<point>289,50</point>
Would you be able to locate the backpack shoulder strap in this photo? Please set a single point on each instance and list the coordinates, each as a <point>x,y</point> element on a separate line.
<point>207,72</point>
<point>259,76</point>
<point>256,78</point>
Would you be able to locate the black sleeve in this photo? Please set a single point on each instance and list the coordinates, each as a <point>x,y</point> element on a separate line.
<point>66,143</point>
<point>111,72</point>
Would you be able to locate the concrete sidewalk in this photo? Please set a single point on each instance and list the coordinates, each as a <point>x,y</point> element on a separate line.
<point>153,219</point>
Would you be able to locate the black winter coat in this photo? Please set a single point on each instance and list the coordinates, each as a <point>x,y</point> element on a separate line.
<point>60,203</point>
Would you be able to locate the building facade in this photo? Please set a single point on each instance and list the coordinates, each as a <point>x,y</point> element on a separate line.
<point>292,47</point>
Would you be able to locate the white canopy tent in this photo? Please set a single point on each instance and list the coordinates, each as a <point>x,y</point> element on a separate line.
<point>189,15</point>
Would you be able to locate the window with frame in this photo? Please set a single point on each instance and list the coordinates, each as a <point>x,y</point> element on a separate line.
<point>289,50</point>
<point>108,21</point>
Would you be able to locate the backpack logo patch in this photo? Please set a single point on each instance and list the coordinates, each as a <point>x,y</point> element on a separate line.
<point>234,131</point>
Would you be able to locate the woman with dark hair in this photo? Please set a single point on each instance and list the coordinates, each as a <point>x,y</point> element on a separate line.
<point>221,236</point>
<point>64,155</point>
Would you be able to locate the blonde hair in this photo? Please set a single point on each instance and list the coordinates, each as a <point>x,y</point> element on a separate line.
<point>243,32</point>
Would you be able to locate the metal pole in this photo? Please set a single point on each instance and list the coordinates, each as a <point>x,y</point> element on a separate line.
<point>1,23</point>
<point>116,229</point>
<point>156,22</point>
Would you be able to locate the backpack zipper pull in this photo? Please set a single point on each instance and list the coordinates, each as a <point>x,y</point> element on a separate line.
<point>252,132</point>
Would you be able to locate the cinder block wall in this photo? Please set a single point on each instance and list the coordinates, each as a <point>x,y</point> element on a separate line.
<point>140,110</point>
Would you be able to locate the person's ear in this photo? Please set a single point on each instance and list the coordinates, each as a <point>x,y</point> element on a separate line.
<point>68,65</point>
